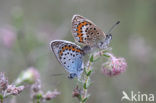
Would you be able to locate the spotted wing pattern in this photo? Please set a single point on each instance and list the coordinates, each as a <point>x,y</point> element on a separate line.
<point>69,55</point>
<point>86,32</point>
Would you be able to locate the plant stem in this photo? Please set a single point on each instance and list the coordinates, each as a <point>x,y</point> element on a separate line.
<point>38,101</point>
<point>1,98</point>
<point>86,81</point>
<point>88,72</point>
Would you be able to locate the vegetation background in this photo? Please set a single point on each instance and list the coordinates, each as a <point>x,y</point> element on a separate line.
<point>28,26</point>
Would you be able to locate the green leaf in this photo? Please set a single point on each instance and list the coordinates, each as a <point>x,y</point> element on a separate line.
<point>88,74</point>
<point>1,96</point>
<point>39,96</point>
<point>84,100</point>
<point>85,86</point>
<point>92,58</point>
<point>85,70</point>
<point>106,55</point>
<point>104,51</point>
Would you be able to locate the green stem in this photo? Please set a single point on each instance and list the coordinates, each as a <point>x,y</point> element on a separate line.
<point>88,72</point>
<point>1,98</point>
<point>86,81</point>
<point>38,101</point>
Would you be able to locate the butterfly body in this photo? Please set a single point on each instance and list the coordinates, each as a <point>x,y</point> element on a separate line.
<point>69,55</point>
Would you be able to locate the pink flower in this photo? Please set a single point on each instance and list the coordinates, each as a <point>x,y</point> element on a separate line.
<point>76,92</point>
<point>51,94</point>
<point>3,81</point>
<point>114,66</point>
<point>12,89</point>
<point>36,87</point>
<point>8,36</point>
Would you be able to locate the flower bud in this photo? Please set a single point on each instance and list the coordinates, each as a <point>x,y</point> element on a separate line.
<point>36,87</point>
<point>3,81</point>
<point>76,92</point>
<point>13,90</point>
<point>51,94</point>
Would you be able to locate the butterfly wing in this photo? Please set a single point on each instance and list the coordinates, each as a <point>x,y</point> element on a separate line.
<point>86,32</point>
<point>69,55</point>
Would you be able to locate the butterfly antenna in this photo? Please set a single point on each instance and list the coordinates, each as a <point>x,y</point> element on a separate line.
<point>110,30</point>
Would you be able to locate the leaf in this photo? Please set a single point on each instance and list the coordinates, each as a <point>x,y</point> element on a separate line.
<point>88,74</point>
<point>39,96</point>
<point>85,70</point>
<point>1,97</point>
<point>84,100</point>
<point>106,55</point>
<point>85,86</point>
<point>92,58</point>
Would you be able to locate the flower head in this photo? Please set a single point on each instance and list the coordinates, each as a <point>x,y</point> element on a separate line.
<point>51,94</point>
<point>3,81</point>
<point>36,87</point>
<point>13,90</point>
<point>76,92</point>
<point>114,66</point>
<point>30,75</point>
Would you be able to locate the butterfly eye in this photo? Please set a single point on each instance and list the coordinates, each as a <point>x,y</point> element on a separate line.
<point>109,36</point>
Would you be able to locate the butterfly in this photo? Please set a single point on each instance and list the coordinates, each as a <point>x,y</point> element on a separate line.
<point>70,56</point>
<point>87,33</point>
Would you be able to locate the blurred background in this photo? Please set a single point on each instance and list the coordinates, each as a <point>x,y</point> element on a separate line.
<point>28,26</point>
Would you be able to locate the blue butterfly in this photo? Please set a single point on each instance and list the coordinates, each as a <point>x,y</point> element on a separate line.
<point>69,55</point>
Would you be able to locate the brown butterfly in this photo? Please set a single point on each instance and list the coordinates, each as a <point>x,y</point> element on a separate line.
<point>88,34</point>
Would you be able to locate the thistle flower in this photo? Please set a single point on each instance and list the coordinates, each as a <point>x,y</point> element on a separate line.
<point>30,76</point>
<point>3,81</point>
<point>114,66</point>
